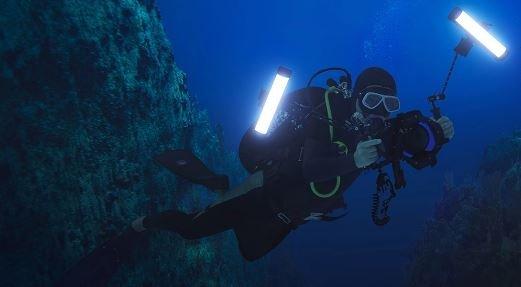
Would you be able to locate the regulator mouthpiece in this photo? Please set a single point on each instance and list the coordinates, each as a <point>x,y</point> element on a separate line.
<point>478,32</point>
<point>273,100</point>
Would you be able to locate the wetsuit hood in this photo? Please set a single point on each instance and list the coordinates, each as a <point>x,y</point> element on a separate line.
<point>378,79</point>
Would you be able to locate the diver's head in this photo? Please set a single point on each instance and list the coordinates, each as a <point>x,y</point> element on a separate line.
<point>375,91</point>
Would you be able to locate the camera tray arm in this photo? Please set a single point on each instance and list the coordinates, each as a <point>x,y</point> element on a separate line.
<point>462,49</point>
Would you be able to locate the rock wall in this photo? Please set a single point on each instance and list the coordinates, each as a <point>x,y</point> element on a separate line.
<point>89,93</point>
<point>474,238</point>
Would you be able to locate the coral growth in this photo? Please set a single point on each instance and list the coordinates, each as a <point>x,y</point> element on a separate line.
<point>89,94</point>
<point>474,238</point>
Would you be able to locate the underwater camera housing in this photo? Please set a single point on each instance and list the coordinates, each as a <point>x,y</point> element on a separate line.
<point>409,136</point>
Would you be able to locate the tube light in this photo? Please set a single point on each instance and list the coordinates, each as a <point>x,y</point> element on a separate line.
<point>272,101</point>
<point>478,32</point>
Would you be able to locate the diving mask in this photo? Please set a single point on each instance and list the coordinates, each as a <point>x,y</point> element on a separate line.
<point>374,96</point>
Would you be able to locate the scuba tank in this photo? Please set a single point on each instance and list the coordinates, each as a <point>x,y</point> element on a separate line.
<point>280,152</point>
<point>285,140</point>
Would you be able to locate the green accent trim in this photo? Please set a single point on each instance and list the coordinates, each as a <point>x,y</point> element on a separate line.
<point>325,195</point>
<point>328,108</point>
<point>342,145</point>
<point>339,143</point>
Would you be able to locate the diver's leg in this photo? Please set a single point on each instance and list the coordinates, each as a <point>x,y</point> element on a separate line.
<point>216,218</point>
<point>222,215</point>
<point>189,226</point>
<point>97,267</point>
<point>254,181</point>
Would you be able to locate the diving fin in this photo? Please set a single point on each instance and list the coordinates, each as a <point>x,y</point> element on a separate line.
<point>98,267</point>
<point>186,165</point>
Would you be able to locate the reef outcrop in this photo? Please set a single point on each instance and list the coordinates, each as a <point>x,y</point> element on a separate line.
<point>89,93</point>
<point>474,238</point>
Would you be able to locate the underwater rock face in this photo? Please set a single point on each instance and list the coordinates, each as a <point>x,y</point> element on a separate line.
<point>89,93</point>
<point>474,238</point>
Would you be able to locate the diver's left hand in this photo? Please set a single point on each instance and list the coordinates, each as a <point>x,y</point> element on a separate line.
<point>447,126</point>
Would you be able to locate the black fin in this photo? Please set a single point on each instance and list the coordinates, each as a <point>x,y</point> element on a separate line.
<point>185,164</point>
<point>98,267</point>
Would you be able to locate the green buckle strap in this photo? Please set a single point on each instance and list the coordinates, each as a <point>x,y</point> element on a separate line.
<point>337,185</point>
<point>339,143</point>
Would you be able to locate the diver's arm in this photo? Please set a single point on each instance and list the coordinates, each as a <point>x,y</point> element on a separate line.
<point>323,161</point>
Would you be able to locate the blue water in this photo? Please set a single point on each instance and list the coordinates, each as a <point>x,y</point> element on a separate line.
<point>231,49</point>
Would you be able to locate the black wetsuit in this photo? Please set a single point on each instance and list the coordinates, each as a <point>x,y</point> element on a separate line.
<point>256,217</point>
<point>262,217</point>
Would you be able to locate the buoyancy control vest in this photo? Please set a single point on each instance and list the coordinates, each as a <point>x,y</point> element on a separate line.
<point>308,112</point>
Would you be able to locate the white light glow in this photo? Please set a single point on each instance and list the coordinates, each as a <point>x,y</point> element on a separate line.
<point>482,35</point>
<point>272,102</point>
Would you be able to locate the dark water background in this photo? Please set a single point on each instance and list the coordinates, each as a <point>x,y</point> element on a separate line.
<point>231,49</point>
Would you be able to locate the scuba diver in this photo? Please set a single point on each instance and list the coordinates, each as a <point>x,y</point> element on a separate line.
<point>298,173</point>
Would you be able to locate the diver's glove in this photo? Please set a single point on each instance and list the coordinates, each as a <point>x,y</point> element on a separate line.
<point>366,153</point>
<point>447,126</point>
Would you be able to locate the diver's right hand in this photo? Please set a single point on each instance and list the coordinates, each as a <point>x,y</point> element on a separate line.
<point>366,153</point>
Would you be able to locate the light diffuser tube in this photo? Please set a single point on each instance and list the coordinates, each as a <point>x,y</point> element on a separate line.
<point>272,102</point>
<point>480,34</point>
